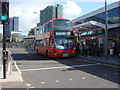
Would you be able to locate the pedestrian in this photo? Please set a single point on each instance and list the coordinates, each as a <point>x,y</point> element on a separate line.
<point>78,48</point>
<point>87,49</point>
<point>113,48</point>
<point>90,49</point>
<point>82,48</point>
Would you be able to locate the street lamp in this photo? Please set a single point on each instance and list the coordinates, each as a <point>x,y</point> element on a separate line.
<point>39,16</point>
<point>106,31</point>
<point>36,13</point>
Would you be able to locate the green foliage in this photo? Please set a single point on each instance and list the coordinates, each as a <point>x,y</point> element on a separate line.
<point>7,39</point>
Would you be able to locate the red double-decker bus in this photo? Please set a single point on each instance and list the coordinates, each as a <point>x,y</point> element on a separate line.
<point>55,38</point>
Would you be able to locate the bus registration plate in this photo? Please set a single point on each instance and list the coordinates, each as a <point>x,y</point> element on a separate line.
<point>65,55</point>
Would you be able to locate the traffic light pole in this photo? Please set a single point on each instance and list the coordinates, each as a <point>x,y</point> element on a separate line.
<point>4,48</point>
<point>4,19</point>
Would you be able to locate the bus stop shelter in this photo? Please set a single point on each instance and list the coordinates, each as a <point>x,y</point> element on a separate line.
<point>89,26</point>
<point>92,26</point>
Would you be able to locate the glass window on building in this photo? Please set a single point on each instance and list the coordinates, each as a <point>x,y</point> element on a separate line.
<point>50,26</point>
<point>43,29</point>
<point>99,31</point>
<point>83,34</point>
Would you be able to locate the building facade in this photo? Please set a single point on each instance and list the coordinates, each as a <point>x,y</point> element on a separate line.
<point>51,12</point>
<point>15,23</point>
<point>94,33</point>
<point>14,26</point>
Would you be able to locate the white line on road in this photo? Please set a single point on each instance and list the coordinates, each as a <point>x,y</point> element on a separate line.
<point>57,81</point>
<point>28,85</point>
<point>42,82</point>
<point>83,77</point>
<point>58,67</point>
<point>16,64</point>
<point>70,79</point>
<point>17,67</point>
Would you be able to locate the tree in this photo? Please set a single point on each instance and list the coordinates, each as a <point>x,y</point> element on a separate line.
<point>7,39</point>
<point>31,32</point>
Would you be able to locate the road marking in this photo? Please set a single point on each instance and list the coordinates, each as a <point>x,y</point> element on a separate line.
<point>95,76</point>
<point>31,87</point>
<point>42,82</point>
<point>28,85</point>
<point>15,64</point>
<point>17,67</point>
<point>58,67</point>
<point>70,79</point>
<point>10,52</point>
<point>57,81</point>
<point>83,77</point>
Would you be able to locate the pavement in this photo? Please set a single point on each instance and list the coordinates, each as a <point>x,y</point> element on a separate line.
<point>112,60</point>
<point>15,80</point>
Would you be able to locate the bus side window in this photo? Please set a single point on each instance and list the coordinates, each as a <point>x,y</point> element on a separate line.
<point>50,26</point>
<point>47,28</point>
<point>40,29</point>
<point>43,29</point>
<point>51,43</point>
<point>40,43</point>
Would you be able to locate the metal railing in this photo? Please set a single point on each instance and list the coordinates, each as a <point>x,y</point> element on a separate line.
<point>19,45</point>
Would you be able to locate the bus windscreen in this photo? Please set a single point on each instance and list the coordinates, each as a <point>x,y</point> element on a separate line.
<point>62,24</point>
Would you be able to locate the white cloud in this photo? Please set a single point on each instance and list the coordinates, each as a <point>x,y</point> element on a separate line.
<point>71,10</point>
<point>27,19</point>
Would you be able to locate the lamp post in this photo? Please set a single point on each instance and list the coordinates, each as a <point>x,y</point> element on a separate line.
<point>106,31</point>
<point>39,16</point>
<point>36,13</point>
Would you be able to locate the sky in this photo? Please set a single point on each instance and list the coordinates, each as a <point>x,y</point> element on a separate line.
<point>71,9</point>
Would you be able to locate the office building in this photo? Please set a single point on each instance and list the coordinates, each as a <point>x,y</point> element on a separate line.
<point>51,12</point>
<point>14,27</point>
<point>15,23</point>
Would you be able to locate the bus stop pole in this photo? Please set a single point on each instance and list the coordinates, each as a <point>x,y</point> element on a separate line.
<point>106,32</point>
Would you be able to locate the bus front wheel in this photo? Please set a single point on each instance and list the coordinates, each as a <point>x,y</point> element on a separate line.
<point>47,53</point>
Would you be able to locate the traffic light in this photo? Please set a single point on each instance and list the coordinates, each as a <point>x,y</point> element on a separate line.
<point>3,17</point>
<point>4,12</point>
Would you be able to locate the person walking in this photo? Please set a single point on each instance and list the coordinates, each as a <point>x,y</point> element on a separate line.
<point>78,48</point>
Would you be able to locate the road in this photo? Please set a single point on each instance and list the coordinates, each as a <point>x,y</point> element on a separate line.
<point>71,72</point>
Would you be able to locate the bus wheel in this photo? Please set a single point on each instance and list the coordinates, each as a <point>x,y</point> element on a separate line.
<point>47,53</point>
